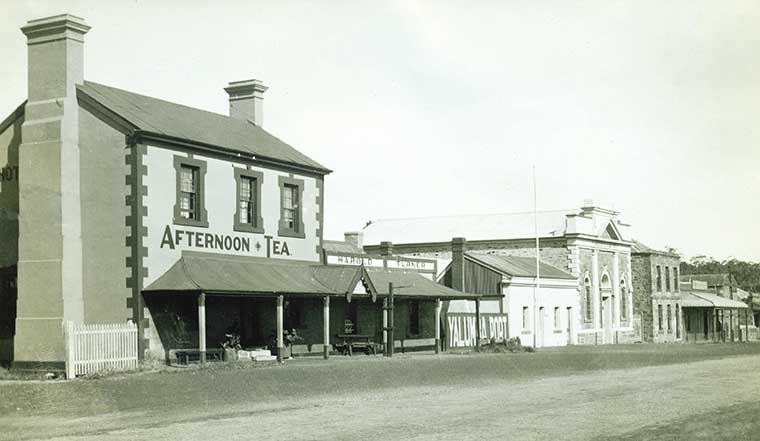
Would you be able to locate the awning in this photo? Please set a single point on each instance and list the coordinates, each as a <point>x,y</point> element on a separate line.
<point>221,274</point>
<point>231,274</point>
<point>705,300</point>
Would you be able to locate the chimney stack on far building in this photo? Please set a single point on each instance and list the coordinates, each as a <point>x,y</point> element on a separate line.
<point>247,100</point>
<point>355,238</point>
<point>458,247</point>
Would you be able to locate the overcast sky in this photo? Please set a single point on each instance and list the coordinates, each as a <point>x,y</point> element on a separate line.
<point>437,108</point>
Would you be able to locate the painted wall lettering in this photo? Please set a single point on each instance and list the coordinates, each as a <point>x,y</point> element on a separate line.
<point>197,239</point>
<point>9,173</point>
<point>461,331</point>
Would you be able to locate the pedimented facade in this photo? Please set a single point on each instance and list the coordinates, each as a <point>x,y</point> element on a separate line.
<point>591,243</point>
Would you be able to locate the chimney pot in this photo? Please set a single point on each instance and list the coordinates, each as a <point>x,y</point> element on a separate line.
<point>247,100</point>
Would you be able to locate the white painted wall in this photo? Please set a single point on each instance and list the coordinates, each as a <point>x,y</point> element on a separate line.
<point>518,292</point>
<point>220,203</point>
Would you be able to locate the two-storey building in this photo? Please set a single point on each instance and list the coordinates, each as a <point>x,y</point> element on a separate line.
<point>195,226</point>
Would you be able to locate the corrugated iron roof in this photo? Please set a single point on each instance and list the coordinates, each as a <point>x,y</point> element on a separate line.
<point>703,299</point>
<point>177,121</point>
<point>519,266</point>
<point>338,246</point>
<point>199,272</point>
<point>411,284</point>
<point>217,273</point>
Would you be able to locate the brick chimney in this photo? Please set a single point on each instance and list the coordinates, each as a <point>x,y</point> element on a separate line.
<point>247,100</point>
<point>355,238</point>
<point>458,247</point>
<point>386,248</point>
<point>50,233</point>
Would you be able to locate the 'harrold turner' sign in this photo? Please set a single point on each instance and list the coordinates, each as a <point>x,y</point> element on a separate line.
<point>220,242</point>
<point>461,331</point>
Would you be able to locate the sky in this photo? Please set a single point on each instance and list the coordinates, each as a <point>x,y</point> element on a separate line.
<point>442,108</point>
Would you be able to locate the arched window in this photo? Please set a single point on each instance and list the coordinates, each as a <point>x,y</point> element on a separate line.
<point>623,299</point>
<point>589,305</point>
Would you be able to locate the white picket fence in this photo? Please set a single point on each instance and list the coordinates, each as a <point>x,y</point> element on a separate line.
<point>94,348</point>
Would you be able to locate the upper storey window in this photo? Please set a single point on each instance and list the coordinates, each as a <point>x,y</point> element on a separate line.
<point>189,208</point>
<point>291,207</point>
<point>659,278</point>
<point>188,192</point>
<point>248,212</point>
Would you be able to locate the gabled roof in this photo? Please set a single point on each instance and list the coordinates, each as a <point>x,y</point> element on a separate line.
<point>512,266</point>
<point>410,284</point>
<point>177,122</point>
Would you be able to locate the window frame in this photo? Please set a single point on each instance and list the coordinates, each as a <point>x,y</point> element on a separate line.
<point>667,279</point>
<point>284,230</point>
<point>659,318</point>
<point>200,175</point>
<point>676,287</point>
<point>557,319</point>
<point>658,278</point>
<point>258,179</point>
<point>588,305</point>
<point>623,299</point>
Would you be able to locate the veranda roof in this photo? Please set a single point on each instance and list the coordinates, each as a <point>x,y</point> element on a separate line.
<point>706,300</point>
<point>221,274</point>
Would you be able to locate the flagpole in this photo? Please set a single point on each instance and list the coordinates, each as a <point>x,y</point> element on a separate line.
<point>537,285</point>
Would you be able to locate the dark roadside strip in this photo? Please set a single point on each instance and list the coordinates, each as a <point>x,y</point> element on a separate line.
<point>219,386</point>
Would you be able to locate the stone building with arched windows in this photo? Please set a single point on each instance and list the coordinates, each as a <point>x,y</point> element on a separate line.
<point>590,243</point>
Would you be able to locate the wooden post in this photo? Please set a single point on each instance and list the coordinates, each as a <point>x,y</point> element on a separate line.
<point>280,340</point>
<point>477,325</point>
<point>326,319</point>
<point>202,326</point>
<point>385,327</point>
<point>714,323</point>
<point>437,326</point>
<point>391,337</point>
<point>746,324</point>
<point>731,325</point>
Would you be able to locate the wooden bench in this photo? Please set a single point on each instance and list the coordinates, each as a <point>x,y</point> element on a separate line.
<point>346,343</point>
<point>185,356</point>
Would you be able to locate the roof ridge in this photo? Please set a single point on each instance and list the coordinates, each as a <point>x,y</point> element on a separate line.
<point>451,216</point>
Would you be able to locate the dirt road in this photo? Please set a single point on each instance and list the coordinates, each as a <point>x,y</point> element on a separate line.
<point>674,401</point>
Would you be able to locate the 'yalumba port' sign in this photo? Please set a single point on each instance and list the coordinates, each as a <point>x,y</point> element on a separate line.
<point>461,328</point>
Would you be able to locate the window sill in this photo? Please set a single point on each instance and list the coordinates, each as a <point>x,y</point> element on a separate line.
<point>244,228</point>
<point>524,332</point>
<point>190,222</point>
<point>558,331</point>
<point>291,233</point>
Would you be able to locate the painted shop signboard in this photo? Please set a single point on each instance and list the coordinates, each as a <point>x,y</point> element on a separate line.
<point>398,262</point>
<point>173,238</point>
<point>461,331</point>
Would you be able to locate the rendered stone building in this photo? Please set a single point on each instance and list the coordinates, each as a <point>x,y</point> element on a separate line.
<point>117,206</point>
<point>657,293</point>
<point>591,243</point>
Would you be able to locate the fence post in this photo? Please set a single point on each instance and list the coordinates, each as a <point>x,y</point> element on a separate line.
<point>68,331</point>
